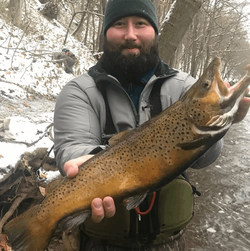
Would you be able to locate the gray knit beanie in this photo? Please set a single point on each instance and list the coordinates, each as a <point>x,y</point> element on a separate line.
<point>117,9</point>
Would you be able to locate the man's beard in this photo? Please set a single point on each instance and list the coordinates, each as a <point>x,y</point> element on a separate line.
<point>115,63</point>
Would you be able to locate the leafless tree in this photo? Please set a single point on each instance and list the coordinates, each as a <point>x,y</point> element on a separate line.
<point>217,30</point>
<point>175,26</point>
<point>15,10</point>
<point>192,32</point>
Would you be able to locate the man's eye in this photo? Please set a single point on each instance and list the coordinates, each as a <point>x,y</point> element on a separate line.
<point>142,23</point>
<point>118,24</point>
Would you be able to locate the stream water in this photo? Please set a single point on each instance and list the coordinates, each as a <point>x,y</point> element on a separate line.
<point>222,213</point>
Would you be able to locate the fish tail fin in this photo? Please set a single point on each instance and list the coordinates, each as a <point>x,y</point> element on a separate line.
<point>27,233</point>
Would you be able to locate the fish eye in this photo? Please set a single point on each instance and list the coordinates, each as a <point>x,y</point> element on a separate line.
<point>206,84</point>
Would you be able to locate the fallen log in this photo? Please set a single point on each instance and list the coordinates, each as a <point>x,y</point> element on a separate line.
<point>20,188</point>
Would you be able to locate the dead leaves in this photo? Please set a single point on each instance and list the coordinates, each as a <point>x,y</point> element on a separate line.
<point>26,104</point>
<point>3,243</point>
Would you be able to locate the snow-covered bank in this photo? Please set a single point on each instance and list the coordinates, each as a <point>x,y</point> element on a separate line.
<point>30,83</point>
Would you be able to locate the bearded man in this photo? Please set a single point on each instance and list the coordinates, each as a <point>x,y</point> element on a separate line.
<point>127,86</point>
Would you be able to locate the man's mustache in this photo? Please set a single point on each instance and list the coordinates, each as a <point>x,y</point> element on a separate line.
<point>130,45</point>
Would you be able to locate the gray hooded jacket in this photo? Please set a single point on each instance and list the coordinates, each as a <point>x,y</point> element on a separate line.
<point>80,112</point>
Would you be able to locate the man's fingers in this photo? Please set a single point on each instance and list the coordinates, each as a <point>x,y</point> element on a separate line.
<point>102,208</point>
<point>109,206</point>
<point>97,210</point>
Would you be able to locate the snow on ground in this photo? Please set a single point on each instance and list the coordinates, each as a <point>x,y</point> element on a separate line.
<point>21,129</point>
<point>26,69</point>
<point>27,60</point>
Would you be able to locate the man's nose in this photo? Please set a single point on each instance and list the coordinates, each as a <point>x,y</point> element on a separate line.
<point>130,32</point>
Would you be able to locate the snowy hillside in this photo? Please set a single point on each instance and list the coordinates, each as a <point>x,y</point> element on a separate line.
<point>30,82</point>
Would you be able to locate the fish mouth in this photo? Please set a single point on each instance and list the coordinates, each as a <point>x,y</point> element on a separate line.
<point>237,91</point>
<point>230,97</point>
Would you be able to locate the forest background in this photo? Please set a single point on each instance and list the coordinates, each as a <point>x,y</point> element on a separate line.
<point>192,32</point>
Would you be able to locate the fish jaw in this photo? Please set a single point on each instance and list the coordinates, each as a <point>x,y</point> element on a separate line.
<point>215,103</point>
<point>229,103</point>
<point>237,91</point>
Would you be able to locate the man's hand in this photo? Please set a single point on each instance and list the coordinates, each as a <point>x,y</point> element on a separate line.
<point>100,208</point>
<point>243,109</point>
<point>71,167</point>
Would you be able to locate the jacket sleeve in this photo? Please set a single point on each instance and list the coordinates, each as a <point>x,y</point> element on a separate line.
<point>209,156</point>
<point>77,121</point>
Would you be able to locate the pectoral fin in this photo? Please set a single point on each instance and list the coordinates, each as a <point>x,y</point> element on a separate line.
<point>196,143</point>
<point>134,201</point>
<point>73,220</point>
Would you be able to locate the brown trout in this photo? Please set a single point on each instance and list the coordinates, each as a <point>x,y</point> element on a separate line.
<point>140,161</point>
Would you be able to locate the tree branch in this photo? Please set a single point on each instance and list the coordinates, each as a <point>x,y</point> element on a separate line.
<point>12,209</point>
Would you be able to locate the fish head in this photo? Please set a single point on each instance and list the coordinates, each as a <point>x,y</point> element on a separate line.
<point>210,104</point>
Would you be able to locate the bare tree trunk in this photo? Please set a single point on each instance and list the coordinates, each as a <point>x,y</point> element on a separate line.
<point>209,34</point>
<point>93,34</point>
<point>176,25</point>
<point>79,29</point>
<point>175,61</point>
<point>15,10</point>
<point>194,48</point>
<point>99,29</point>
<point>157,5</point>
<point>87,30</point>
<point>163,9</point>
<point>101,37</point>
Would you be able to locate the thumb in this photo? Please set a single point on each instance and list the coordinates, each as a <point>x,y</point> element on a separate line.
<point>71,168</point>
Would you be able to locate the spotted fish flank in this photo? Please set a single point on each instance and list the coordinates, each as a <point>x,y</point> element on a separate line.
<point>138,161</point>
